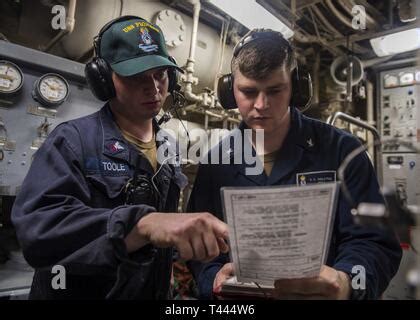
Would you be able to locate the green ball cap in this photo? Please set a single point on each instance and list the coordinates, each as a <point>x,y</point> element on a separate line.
<point>134,46</point>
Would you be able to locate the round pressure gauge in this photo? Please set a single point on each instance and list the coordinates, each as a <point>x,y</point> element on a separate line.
<point>11,78</point>
<point>406,78</point>
<point>391,81</point>
<point>51,90</point>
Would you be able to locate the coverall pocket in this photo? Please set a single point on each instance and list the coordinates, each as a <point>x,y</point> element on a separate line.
<point>110,186</point>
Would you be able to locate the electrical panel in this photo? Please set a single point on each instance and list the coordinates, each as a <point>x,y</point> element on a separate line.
<point>37,92</point>
<point>399,120</point>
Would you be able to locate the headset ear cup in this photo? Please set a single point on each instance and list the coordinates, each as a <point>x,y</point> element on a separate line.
<point>225,92</point>
<point>173,77</point>
<point>99,78</point>
<point>106,72</point>
<point>302,91</point>
<point>173,80</point>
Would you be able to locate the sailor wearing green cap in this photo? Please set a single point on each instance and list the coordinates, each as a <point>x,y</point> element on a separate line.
<point>96,200</point>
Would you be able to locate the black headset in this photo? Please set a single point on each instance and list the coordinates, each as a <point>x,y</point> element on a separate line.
<point>301,80</point>
<point>98,73</point>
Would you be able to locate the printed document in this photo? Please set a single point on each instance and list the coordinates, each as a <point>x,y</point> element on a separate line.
<point>279,232</point>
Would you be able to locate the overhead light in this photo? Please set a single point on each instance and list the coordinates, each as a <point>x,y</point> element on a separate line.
<point>398,42</point>
<point>252,15</point>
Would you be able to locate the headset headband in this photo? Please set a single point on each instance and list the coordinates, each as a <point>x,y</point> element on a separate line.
<point>260,34</point>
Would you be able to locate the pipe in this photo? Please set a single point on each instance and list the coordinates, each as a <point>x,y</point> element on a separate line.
<point>315,72</point>
<point>189,95</point>
<point>214,115</point>
<point>206,99</point>
<point>349,91</point>
<point>206,121</point>
<point>360,123</point>
<point>370,117</point>
<point>324,20</point>
<point>377,139</point>
<point>330,27</point>
<point>223,38</point>
<point>374,61</point>
<point>302,38</point>
<point>369,102</point>
<point>70,23</point>
<point>357,48</point>
<point>314,24</point>
<point>293,9</point>
<point>370,35</point>
<point>338,14</point>
<point>222,34</point>
<point>189,78</point>
<point>196,15</point>
<point>220,116</point>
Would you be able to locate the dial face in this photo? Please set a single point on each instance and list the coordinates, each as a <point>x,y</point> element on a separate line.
<point>53,88</point>
<point>406,78</point>
<point>11,77</point>
<point>390,81</point>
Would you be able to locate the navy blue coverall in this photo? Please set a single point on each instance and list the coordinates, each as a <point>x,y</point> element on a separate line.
<point>71,211</point>
<point>312,152</point>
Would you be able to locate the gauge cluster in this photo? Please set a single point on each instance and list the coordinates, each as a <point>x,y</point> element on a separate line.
<point>401,79</point>
<point>49,90</point>
<point>36,95</point>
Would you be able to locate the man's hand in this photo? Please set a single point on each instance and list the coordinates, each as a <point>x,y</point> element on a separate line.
<point>197,236</point>
<point>225,273</point>
<point>329,284</point>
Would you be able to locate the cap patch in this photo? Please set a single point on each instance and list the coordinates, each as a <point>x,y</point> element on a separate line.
<point>146,41</point>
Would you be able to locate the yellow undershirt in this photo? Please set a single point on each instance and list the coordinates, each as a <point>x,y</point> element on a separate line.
<point>269,160</point>
<point>147,148</point>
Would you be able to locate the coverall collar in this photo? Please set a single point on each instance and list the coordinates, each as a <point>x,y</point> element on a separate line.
<point>114,145</point>
<point>297,140</point>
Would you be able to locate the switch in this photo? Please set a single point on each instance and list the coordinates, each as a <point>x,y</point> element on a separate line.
<point>43,128</point>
